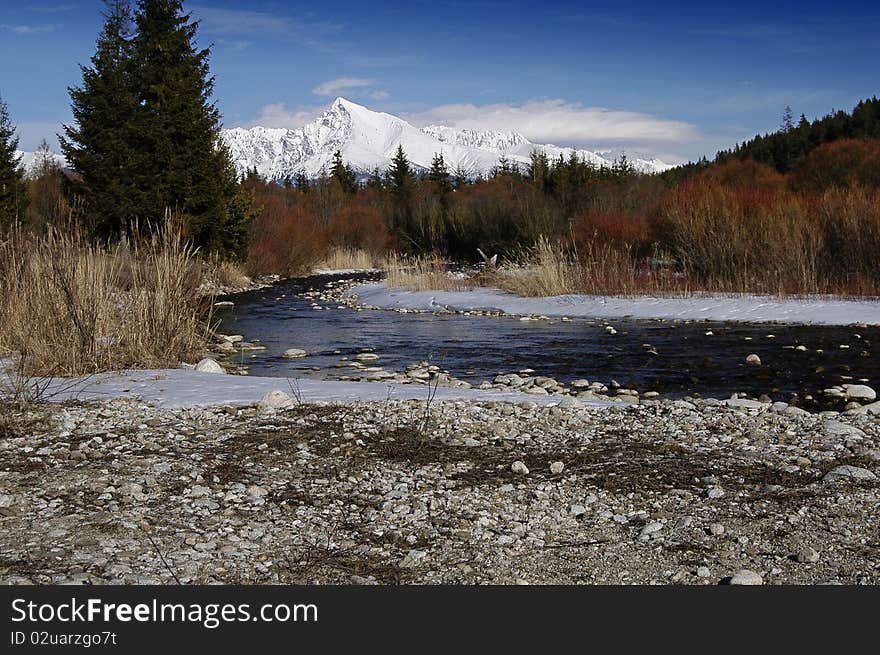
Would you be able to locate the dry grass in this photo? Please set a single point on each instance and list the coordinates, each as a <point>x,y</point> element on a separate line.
<point>546,272</point>
<point>69,307</point>
<point>423,273</point>
<point>225,274</point>
<point>341,258</point>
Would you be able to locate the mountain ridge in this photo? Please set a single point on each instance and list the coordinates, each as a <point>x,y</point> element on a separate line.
<point>368,140</point>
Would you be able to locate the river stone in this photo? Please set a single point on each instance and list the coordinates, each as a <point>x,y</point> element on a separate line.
<point>873,408</point>
<point>807,556</point>
<point>294,353</point>
<point>745,577</point>
<point>275,399</point>
<point>849,473</point>
<point>753,360</point>
<point>519,468</point>
<point>366,357</point>
<point>556,468</point>
<point>860,392</point>
<point>839,429</point>
<point>744,403</point>
<point>208,365</point>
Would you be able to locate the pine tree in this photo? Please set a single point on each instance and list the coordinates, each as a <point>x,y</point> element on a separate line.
<point>302,182</point>
<point>439,173</point>
<point>13,191</point>
<point>400,177</point>
<point>343,174</point>
<point>98,146</point>
<point>375,180</point>
<point>180,164</point>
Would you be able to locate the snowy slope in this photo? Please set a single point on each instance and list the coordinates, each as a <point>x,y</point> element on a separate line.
<point>369,139</point>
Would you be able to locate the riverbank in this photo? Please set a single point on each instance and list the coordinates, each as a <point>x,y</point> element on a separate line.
<point>688,492</point>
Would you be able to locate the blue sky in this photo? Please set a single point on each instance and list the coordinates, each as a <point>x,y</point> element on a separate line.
<point>675,80</point>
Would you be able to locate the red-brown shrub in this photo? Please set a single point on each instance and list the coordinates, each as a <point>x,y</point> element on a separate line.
<point>285,239</point>
<point>360,226</point>
<point>841,164</point>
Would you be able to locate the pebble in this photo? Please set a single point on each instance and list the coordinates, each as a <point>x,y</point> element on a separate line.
<point>294,353</point>
<point>753,360</point>
<point>556,468</point>
<point>519,468</point>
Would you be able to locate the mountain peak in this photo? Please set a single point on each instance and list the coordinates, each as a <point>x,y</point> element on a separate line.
<point>369,139</point>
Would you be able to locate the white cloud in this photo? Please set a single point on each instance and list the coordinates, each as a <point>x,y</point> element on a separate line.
<point>29,29</point>
<point>565,123</point>
<point>279,115</point>
<point>340,85</point>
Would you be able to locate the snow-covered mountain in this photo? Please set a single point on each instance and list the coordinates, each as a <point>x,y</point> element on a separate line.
<point>29,159</point>
<point>368,140</point>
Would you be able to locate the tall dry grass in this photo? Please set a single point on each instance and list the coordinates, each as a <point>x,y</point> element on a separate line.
<point>341,258</point>
<point>545,271</point>
<point>70,307</point>
<point>422,273</point>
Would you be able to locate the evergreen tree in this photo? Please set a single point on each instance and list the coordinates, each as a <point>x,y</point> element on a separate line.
<point>787,120</point>
<point>302,182</point>
<point>459,177</point>
<point>13,191</point>
<point>375,179</point>
<point>179,162</point>
<point>343,174</point>
<point>439,174</point>
<point>98,146</point>
<point>400,177</point>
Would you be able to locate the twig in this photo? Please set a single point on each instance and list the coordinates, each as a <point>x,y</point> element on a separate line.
<point>162,557</point>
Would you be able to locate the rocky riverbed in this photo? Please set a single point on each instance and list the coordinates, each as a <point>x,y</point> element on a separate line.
<point>693,491</point>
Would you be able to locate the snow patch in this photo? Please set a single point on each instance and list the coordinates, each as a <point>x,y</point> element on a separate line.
<point>745,308</point>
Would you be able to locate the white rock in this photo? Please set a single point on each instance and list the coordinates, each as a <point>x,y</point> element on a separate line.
<point>208,365</point>
<point>294,353</point>
<point>753,360</point>
<point>746,577</point>
<point>275,399</point>
<point>366,357</point>
<point>648,531</point>
<point>556,468</point>
<point>519,468</point>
